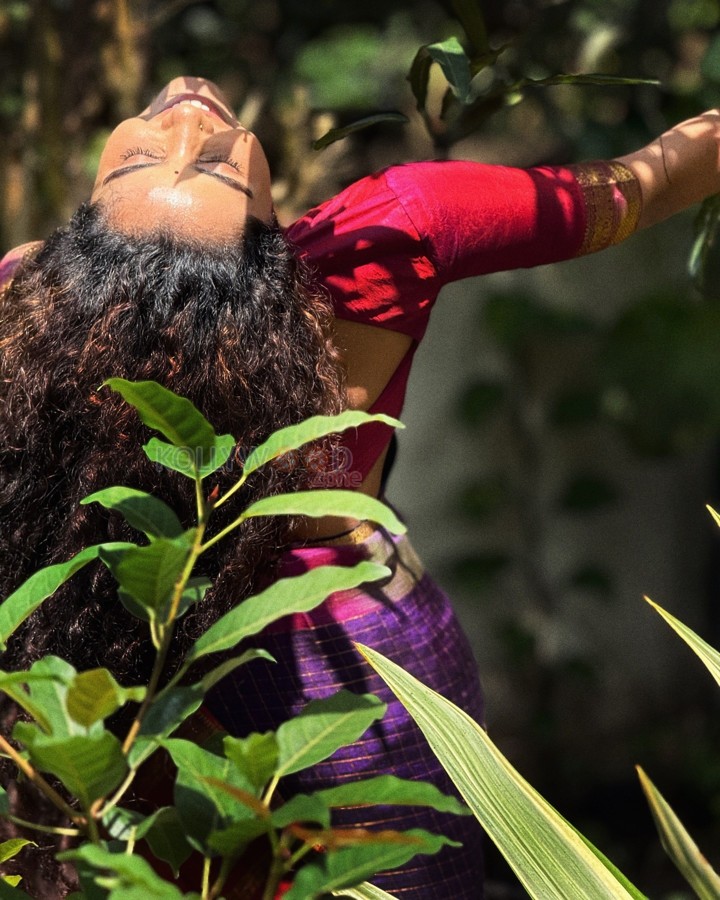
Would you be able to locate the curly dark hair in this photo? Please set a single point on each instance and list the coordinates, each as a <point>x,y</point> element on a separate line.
<point>238,329</point>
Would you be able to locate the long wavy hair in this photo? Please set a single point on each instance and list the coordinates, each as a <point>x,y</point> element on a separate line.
<point>238,329</point>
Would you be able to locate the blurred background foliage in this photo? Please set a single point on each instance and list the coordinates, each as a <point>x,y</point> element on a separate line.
<point>564,382</point>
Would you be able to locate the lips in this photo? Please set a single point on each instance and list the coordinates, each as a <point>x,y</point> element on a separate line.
<point>201,102</point>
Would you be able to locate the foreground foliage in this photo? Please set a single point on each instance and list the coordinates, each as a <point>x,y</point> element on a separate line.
<point>224,796</point>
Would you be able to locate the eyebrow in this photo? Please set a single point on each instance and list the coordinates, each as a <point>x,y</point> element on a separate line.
<point>225,179</point>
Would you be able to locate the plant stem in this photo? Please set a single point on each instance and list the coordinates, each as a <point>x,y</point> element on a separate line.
<point>274,875</point>
<point>162,653</point>
<point>226,531</point>
<point>236,487</point>
<point>42,785</point>
<point>206,878</point>
<point>45,829</point>
<point>217,887</point>
<point>118,795</point>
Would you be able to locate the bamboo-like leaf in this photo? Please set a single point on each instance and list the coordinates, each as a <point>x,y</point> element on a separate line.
<point>678,844</point>
<point>289,595</point>
<point>350,504</point>
<point>38,587</point>
<point>141,510</point>
<point>547,855</point>
<point>363,891</point>
<point>343,131</point>
<point>709,655</point>
<point>322,727</point>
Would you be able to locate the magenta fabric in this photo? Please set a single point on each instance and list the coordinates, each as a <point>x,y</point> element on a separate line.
<point>410,620</point>
<point>385,246</point>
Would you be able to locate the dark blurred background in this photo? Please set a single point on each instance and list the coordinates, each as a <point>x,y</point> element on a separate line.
<point>563,424</point>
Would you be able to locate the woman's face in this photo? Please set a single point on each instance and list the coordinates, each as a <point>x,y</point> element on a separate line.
<point>184,163</point>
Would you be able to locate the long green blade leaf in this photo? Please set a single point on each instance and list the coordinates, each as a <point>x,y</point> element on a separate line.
<point>350,504</point>
<point>364,892</point>
<point>548,857</point>
<point>38,587</point>
<point>709,655</point>
<point>284,597</point>
<point>337,134</point>
<point>678,844</point>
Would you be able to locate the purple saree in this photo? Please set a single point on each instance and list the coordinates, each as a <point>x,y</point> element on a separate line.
<point>410,620</point>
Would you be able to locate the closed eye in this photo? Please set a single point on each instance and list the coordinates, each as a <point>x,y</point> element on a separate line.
<point>139,151</point>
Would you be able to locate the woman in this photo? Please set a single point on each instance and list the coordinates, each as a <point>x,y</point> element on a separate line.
<point>176,271</point>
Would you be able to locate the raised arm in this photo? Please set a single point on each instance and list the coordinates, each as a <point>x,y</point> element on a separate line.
<point>679,168</point>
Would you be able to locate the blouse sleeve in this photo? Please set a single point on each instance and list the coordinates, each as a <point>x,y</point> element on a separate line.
<point>386,245</point>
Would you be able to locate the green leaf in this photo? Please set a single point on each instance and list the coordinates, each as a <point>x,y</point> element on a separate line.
<point>12,880</point>
<point>188,460</point>
<point>167,712</point>
<point>204,806</point>
<point>216,675</point>
<point>255,756</point>
<point>141,510</point>
<point>95,694</point>
<point>129,877</point>
<point>323,726</point>
<point>588,78</point>
<point>174,417</point>
<point>469,13</point>
<point>453,61</point>
<point>289,595</point>
<point>122,824</point>
<point>302,808</point>
<point>89,765</point>
<point>545,852</point>
<point>351,504</point>
<point>337,134</point>
<point>165,834</point>
<point>231,841</point>
<point>38,587</point>
<point>709,655</point>
<point>11,848</point>
<point>4,802</point>
<point>678,844</point>
<point>388,789</point>
<point>149,574</point>
<point>48,681</point>
<point>351,866</point>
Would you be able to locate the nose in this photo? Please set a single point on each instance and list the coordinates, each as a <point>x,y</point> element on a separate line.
<point>187,127</point>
